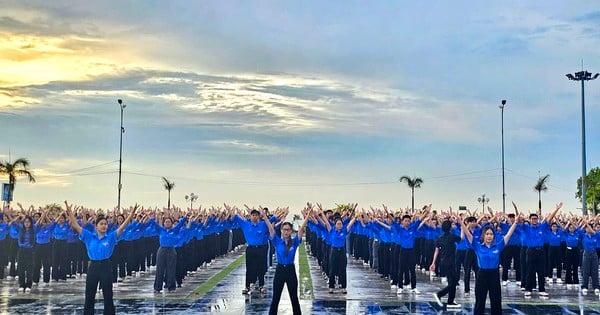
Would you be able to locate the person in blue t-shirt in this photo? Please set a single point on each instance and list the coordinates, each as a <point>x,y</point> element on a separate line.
<point>285,273</point>
<point>26,241</point>
<point>100,246</point>
<point>488,253</point>
<point>589,265</point>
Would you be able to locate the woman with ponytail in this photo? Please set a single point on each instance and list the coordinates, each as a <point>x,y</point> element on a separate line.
<point>26,240</point>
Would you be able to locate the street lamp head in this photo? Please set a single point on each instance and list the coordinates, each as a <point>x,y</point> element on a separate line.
<point>120,101</point>
<point>503,102</point>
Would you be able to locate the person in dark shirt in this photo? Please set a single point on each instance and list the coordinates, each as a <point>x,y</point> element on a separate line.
<point>445,251</point>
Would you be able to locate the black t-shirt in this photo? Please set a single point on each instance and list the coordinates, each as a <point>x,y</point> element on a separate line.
<point>447,248</point>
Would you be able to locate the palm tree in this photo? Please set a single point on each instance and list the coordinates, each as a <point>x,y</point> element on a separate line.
<point>168,186</point>
<point>539,187</point>
<point>412,183</point>
<point>19,167</point>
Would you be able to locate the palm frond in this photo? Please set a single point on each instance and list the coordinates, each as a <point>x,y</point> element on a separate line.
<point>540,185</point>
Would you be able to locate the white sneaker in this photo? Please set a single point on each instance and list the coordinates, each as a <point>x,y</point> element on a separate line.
<point>548,279</point>
<point>453,305</point>
<point>394,287</point>
<point>584,291</point>
<point>27,290</point>
<point>527,293</point>
<point>399,291</point>
<point>504,283</point>
<point>467,294</point>
<point>415,291</point>
<point>427,273</point>
<point>544,294</point>
<point>437,300</point>
<point>558,280</point>
<point>444,280</point>
<point>35,284</point>
<point>597,291</point>
<point>518,283</point>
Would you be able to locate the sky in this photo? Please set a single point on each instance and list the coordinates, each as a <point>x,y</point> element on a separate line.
<point>277,103</point>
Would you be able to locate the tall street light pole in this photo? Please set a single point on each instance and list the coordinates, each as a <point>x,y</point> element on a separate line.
<point>583,76</point>
<point>483,199</point>
<point>122,106</point>
<point>503,187</point>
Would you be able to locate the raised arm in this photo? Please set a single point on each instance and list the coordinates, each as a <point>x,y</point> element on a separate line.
<point>551,215</point>
<point>303,226</point>
<point>72,220</point>
<point>512,227</point>
<point>268,223</point>
<point>351,223</point>
<point>466,231</point>
<point>127,220</point>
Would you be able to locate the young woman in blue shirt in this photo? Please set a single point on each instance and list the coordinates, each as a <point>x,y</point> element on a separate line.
<point>285,273</point>
<point>100,246</point>
<point>26,241</point>
<point>488,253</point>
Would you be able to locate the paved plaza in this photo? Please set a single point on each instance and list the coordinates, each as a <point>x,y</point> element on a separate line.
<point>367,294</point>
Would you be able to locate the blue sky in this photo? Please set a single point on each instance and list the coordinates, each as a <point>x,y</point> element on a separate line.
<point>279,103</point>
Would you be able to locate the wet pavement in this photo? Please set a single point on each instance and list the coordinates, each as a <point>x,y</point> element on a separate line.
<point>367,294</point>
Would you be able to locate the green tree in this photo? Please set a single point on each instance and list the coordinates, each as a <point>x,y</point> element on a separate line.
<point>412,183</point>
<point>20,167</point>
<point>540,186</point>
<point>593,189</point>
<point>168,186</point>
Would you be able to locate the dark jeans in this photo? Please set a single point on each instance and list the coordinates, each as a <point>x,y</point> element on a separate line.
<point>407,263</point>
<point>589,268</point>
<point>488,281</point>
<point>99,271</point>
<point>285,275</point>
<point>571,265</point>
<point>59,260</point>
<point>554,261</point>
<point>166,260</point>
<point>25,267</point>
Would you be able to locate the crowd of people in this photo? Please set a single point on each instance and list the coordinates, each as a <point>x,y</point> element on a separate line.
<point>57,243</point>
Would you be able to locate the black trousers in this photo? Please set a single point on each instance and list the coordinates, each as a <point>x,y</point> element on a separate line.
<point>4,247</point>
<point>337,266</point>
<point>523,259</point>
<point>460,260</point>
<point>536,263</point>
<point>256,264</point>
<point>470,264</point>
<point>572,265</point>
<point>554,261</point>
<point>395,265</point>
<point>511,253</point>
<point>13,248</point>
<point>60,260</point>
<point>25,267</point>
<point>99,271</point>
<point>82,258</point>
<point>488,281</point>
<point>73,256</point>
<point>166,264</point>
<point>285,274</point>
<point>407,262</point>
<point>118,262</point>
<point>452,276</point>
<point>384,259</point>
<point>42,258</point>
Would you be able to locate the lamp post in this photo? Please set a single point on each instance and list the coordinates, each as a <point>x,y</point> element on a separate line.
<point>583,76</point>
<point>503,103</point>
<point>191,197</point>
<point>122,106</point>
<point>483,199</point>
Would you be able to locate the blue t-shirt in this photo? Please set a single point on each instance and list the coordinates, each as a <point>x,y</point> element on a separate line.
<point>488,257</point>
<point>99,248</point>
<point>280,249</point>
<point>590,242</point>
<point>255,234</point>
<point>337,238</point>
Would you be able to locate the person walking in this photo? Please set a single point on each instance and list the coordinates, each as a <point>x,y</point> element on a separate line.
<point>445,251</point>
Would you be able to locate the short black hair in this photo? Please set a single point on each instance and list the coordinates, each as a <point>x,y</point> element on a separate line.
<point>471,219</point>
<point>446,226</point>
<point>511,215</point>
<point>406,216</point>
<point>254,211</point>
<point>533,215</point>
<point>100,218</point>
